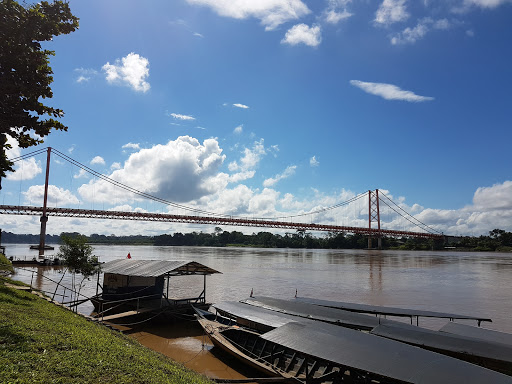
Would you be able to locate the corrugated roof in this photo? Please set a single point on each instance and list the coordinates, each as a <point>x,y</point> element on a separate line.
<point>391,311</point>
<point>255,314</point>
<point>427,338</point>
<point>375,354</point>
<point>156,268</point>
<point>315,312</point>
<point>477,333</point>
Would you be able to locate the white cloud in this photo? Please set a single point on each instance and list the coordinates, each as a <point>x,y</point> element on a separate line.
<point>497,197</point>
<point>177,116</point>
<point>253,156</point>
<point>25,169</point>
<point>335,17</point>
<point>240,106</point>
<point>98,160</point>
<point>85,74</point>
<point>272,13</point>
<point>181,171</point>
<point>197,34</point>
<point>238,129</point>
<point>411,35</point>
<point>391,11</point>
<point>337,11</point>
<point>486,3</point>
<point>301,33</point>
<point>115,165</point>
<point>314,162</point>
<point>389,91</point>
<point>131,70</point>
<point>135,146</point>
<point>289,171</point>
<point>80,174</point>
<point>56,196</point>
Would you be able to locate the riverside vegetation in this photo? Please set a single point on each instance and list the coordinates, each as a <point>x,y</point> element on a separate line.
<point>41,342</point>
<point>497,240</point>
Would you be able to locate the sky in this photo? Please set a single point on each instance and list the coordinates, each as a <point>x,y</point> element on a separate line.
<point>276,108</point>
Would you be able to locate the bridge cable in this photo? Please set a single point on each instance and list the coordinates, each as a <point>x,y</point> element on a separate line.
<point>426,227</point>
<point>176,205</point>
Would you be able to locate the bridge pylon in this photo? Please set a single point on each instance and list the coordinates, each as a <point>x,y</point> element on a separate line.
<point>374,217</point>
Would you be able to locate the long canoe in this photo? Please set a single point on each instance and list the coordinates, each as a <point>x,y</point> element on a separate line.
<point>327,354</point>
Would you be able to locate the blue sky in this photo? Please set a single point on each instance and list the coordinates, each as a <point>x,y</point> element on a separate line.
<point>268,108</point>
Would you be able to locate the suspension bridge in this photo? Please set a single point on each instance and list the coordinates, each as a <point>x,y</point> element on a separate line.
<point>374,199</point>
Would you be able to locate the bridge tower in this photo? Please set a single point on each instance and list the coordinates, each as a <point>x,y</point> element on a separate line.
<point>374,217</point>
<point>44,217</point>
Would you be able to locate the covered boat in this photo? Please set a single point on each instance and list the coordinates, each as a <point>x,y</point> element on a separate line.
<point>323,353</point>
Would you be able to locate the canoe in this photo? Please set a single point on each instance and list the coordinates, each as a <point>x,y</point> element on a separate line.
<point>327,354</point>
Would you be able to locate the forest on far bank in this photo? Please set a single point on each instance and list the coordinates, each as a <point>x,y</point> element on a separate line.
<point>496,240</point>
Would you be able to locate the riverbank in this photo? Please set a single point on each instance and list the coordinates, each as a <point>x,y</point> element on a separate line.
<point>41,342</point>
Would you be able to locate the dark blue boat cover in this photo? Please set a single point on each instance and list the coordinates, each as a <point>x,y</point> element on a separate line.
<point>477,333</point>
<point>390,311</point>
<point>384,357</point>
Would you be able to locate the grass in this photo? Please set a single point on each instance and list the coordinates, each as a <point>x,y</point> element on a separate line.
<point>41,342</point>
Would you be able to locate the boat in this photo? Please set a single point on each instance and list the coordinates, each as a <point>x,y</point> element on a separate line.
<point>477,349</point>
<point>46,247</point>
<point>322,353</point>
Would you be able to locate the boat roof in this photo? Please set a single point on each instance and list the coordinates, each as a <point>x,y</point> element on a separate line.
<point>254,314</point>
<point>315,312</point>
<point>156,268</point>
<point>477,333</point>
<point>445,341</point>
<point>390,311</point>
<point>378,355</point>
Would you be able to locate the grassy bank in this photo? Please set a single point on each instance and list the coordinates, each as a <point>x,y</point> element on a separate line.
<point>43,343</point>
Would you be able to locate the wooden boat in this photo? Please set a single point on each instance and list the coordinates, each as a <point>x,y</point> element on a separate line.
<point>327,354</point>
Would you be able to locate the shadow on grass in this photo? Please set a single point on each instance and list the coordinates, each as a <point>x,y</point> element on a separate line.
<point>14,296</point>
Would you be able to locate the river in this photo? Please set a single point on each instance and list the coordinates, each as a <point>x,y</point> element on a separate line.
<point>473,283</point>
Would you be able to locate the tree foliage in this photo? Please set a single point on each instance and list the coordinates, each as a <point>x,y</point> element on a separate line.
<point>25,73</point>
<point>77,255</point>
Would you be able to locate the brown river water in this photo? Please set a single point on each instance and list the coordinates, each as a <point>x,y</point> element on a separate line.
<point>475,283</point>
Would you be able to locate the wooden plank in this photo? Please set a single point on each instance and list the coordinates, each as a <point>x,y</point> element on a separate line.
<point>123,314</point>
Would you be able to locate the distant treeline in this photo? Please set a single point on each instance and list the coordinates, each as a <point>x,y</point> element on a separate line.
<point>497,240</point>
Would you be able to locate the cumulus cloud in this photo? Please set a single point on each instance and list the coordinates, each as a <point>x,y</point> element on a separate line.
<point>177,116</point>
<point>238,129</point>
<point>132,70</point>
<point>389,91</point>
<point>98,160</point>
<point>181,170</point>
<point>81,173</point>
<point>289,171</point>
<point>314,162</point>
<point>303,34</point>
<point>497,197</point>
<point>251,156</point>
<point>240,106</point>
<point>391,11</point>
<point>135,146</point>
<point>272,13</point>
<point>115,165</point>
<point>25,169</point>
<point>56,196</point>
